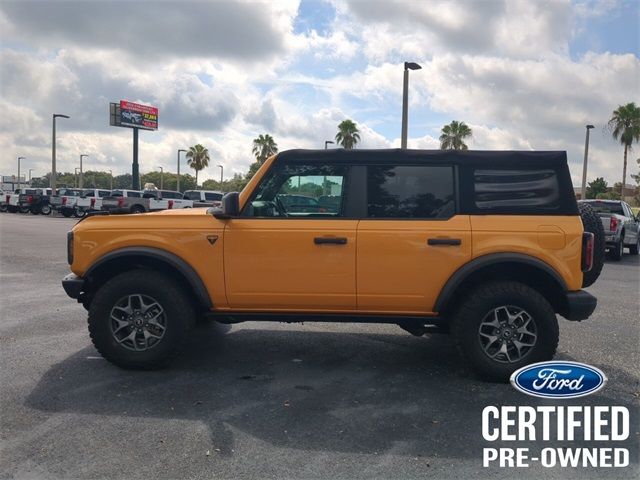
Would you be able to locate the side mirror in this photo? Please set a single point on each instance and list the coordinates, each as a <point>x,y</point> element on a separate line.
<point>230,207</point>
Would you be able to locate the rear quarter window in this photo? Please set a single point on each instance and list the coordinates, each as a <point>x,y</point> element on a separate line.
<point>505,190</point>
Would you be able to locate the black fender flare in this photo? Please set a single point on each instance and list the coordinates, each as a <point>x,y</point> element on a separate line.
<point>476,264</point>
<point>170,259</point>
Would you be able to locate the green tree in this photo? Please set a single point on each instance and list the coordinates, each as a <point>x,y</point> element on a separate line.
<point>453,135</point>
<point>198,159</point>
<point>612,195</point>
<point>599,185</point>
<point>348,134</point>
<point>624,125</point>
<point>263,147</point>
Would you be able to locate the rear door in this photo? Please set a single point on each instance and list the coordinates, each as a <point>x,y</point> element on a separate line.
<point>412,240</point>
<point>279,258</point>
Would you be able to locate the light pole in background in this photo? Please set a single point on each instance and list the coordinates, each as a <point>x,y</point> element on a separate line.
<point>583,191</point>
<point>221,174</point>
<point>405,100</point>
<point>81,182</point>
<point>178,185</point>
<point>327,142</point>
<point>30,170</point>
<point>110,180</point>
<point>161,178</point>
<point>52,180</point>
<point>19,158</point>
<point>75,177</point>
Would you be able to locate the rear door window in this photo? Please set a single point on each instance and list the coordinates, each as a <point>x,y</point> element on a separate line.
<point>215,197</point>
<point>410,191</point>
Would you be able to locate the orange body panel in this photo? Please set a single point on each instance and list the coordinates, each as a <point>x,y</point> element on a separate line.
<point>398,271</point>
<point>556,240</point>
<point>182,232</point>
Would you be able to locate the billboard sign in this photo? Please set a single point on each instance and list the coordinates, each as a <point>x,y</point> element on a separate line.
<point>138,116</point>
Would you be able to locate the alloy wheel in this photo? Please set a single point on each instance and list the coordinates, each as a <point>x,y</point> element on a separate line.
<point>507,334</point>
<point>138,322</point>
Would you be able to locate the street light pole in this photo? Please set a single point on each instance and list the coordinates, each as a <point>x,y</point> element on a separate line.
<point>327,142</point>
<point>30,170</point>
<point>110,180</point>
<point>81,182</point>
<point>75,177</point>
<point>221,174</point>
<point>52,180</point>
<point>405,101</point>
<point>19,158</point>
<point>178,184</point>
<point>161,178</point>
<point>583,191</point>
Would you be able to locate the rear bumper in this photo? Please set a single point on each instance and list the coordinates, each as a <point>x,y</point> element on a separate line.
<point>579,305</point>
<point>73,285</point>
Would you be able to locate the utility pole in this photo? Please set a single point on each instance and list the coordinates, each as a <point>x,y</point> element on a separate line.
<point>405,101</point>
<point>52,180</point>
<point>583,190</point>
<point>178,184</point>
<point>81,181</point>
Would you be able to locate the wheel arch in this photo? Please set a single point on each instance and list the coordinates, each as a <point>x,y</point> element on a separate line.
<point>504,266</point>
<point>130,258</point>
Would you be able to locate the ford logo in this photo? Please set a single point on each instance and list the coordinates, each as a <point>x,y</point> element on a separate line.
<point>558,379</point>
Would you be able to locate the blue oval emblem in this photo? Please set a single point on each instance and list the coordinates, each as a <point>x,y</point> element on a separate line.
<point>558,379</point>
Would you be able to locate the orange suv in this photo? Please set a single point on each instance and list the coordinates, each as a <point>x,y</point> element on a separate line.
<point>489,246</point>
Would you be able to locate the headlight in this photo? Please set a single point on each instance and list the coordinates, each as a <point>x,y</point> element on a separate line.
<point>70,247</point>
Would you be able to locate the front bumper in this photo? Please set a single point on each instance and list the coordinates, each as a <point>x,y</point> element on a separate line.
<point>579,305</point>
<point>73,285</point>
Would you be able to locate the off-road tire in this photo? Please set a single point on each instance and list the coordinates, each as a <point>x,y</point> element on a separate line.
<point>592,223</point>
<point>633,249</point>
<point>617,250</point>
<point>467,318</point>
<point>180,318</point>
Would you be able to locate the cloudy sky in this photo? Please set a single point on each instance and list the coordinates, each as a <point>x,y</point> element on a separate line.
<point>523,74</point>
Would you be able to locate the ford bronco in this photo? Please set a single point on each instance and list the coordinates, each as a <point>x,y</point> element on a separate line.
<point>489,246</point>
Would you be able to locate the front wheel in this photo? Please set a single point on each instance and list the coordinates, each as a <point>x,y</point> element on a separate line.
<point>45,209</point>
<point>138,323</point>
<point>503,326</point>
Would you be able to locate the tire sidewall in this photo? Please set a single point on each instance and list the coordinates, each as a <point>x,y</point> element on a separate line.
<point>45,209</point>
<point>535,305</point>
<point>176,323</point>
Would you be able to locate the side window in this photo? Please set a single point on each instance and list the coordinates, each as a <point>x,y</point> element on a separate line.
<point>516,190</point>
<point>103,193</point>
<point>410,191</point>
<point>192,195</point>
<point>300,190</point>
<point>216,197</point>
<point>133,194</point>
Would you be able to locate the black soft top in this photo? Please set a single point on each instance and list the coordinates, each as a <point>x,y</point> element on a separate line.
<point>480,158</point>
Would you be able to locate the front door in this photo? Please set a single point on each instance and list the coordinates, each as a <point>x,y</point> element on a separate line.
<point>412,240</point>
<point>292,248</point>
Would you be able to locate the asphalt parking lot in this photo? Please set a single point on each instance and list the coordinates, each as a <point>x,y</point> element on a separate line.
<point>267,400</point>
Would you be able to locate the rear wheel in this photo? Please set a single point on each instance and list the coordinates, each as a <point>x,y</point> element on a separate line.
<point>592,223</point>
<point>137,209</point>
<point>138,324</point>
<point>617,250</point>
<point>79,213</point>
<point>45,209</point>
<point>633,249</point>
<point>503,326</point>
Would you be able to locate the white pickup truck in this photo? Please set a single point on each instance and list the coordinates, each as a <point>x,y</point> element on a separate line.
<point>204,198</point>
<point>90,200</point>
<point>10,201</point>
<point>147,201</point>
<point>65,201</point>
<point>621,226</point>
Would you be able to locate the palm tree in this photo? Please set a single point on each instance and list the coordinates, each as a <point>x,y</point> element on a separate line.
<point>263,147</point>
<point>198,159</point>
<point>625,126</point>
<point>348,134</point>
<point>453,136</point>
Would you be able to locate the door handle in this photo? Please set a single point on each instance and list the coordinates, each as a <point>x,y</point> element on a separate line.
<point>444,242</point>
<point>330,240</point>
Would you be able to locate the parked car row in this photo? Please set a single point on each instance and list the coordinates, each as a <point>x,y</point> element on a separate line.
<point>78,202</point>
